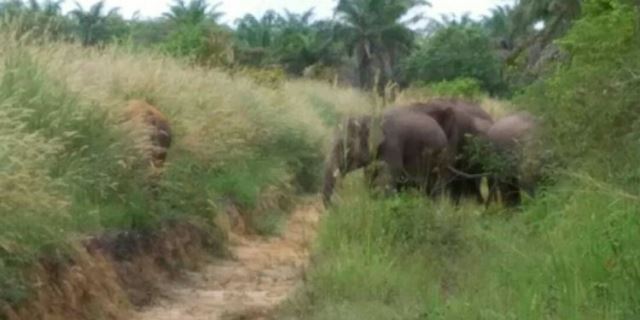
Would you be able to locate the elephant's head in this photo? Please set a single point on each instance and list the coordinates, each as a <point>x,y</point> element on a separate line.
<point>519,152</point>
<point>350,151</point>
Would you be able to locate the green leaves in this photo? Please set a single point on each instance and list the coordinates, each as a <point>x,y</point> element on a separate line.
<point>291,40</point>
<point>593,97</point>
<point>96,25</point>
<point>456,51</point>
<point>193,13</point>
<point>374,33</point>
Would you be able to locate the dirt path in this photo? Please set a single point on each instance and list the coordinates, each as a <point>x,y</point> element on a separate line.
<point>263,274</point>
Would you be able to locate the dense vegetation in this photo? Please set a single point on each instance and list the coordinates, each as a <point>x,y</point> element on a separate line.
<point>368,42</point>
<point>247,134</point>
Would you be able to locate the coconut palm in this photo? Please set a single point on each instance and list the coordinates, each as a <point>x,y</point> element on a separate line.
<point>47,8</point>
<point>501,28</point>
<point>93,25</point>
<point>257,33</point>
<point>374,33</point>
<point>193,13</point>
<point>555,16</point>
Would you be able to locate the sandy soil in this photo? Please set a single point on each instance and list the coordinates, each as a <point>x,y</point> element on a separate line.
<point>262,274</point>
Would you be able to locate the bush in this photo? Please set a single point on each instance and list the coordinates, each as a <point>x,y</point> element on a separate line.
<point>592,100</point>
<point>457,51</point>
<point>206,45</point>
<point>466,88</point>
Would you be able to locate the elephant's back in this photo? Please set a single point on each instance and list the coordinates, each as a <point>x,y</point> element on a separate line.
<point>417,130</point>
<point>512,129</point>
<point>457,105</point>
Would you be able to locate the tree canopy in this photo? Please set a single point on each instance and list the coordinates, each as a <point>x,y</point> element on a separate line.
<point>364,43</point>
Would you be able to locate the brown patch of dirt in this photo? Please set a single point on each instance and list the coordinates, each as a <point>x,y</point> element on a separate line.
<point>262,273</point>
<point>105,276</point>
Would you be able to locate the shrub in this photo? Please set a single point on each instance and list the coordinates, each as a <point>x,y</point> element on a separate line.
<point>466,88</point>
<point>591,101</point>
<point>457,51</point>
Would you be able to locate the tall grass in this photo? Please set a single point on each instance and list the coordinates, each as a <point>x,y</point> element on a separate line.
<point>69,167</point>
<point>570,254</point>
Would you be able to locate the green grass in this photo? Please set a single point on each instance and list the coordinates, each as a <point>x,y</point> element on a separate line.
<point>570,254</point>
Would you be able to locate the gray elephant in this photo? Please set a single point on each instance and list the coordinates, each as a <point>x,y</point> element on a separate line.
<point>516,165</point>
<point>412,145</point>
<point>470,122</point>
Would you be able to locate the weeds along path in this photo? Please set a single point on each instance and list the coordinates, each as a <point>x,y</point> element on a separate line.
<point>262,274</point>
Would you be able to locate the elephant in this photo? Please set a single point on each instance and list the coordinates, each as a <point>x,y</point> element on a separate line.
<point>469,121</point>
<point>147,117</point>
<point>413,147</point>
<point>513,139</point>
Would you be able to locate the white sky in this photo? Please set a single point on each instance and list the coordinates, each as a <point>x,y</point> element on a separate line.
<point>234,9</point>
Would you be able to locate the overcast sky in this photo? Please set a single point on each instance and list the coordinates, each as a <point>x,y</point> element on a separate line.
<point>234,9</point>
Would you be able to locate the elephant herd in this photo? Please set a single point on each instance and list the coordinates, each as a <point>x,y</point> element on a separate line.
<point>441,147</point>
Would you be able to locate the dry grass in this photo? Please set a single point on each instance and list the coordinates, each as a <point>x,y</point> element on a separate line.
<point>216,116</point>
<point>67,167</point>
<point>25,186</point>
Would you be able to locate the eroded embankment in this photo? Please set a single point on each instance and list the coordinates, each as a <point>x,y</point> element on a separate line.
<point>105,277</point>
<point>262,273</point>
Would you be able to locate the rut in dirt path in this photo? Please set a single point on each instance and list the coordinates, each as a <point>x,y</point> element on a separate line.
<point>264,272</point>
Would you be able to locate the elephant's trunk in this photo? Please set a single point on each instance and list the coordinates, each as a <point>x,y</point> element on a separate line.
<point>330,176</point>
<point>350,151</point>
<point>332,170</point>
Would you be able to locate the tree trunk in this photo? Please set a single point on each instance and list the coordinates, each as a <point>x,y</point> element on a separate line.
<point>364,71</point>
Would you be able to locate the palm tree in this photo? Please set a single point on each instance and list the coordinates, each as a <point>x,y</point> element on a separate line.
<point>291,39</point>
<point>257,33</point>
<point>12,7</point>
<point>35,17</point>
<point>556,17</point>
<point>93,25</point>
<point>374,34</point>
<point>500,25</point>
<point>195,33</point>
<point>193,13</point>
<point>48,8</point>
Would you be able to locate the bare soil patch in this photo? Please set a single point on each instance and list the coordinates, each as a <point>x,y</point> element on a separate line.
<point>262,273</point>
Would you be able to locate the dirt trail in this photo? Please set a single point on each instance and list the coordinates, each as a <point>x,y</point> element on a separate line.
<point>263,273</point>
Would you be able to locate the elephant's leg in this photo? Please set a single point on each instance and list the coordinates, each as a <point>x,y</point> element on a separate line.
<point>438,186</point>
<point>392,155</point>
<point>442,177</point>
<point>510,191</point>
<point>469,188</point>
<point>455,190</point>
<point>494,187</point>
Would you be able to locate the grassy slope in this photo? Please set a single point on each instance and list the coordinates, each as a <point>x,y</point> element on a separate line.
<point>67,168</point>
<point>569,255</point>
